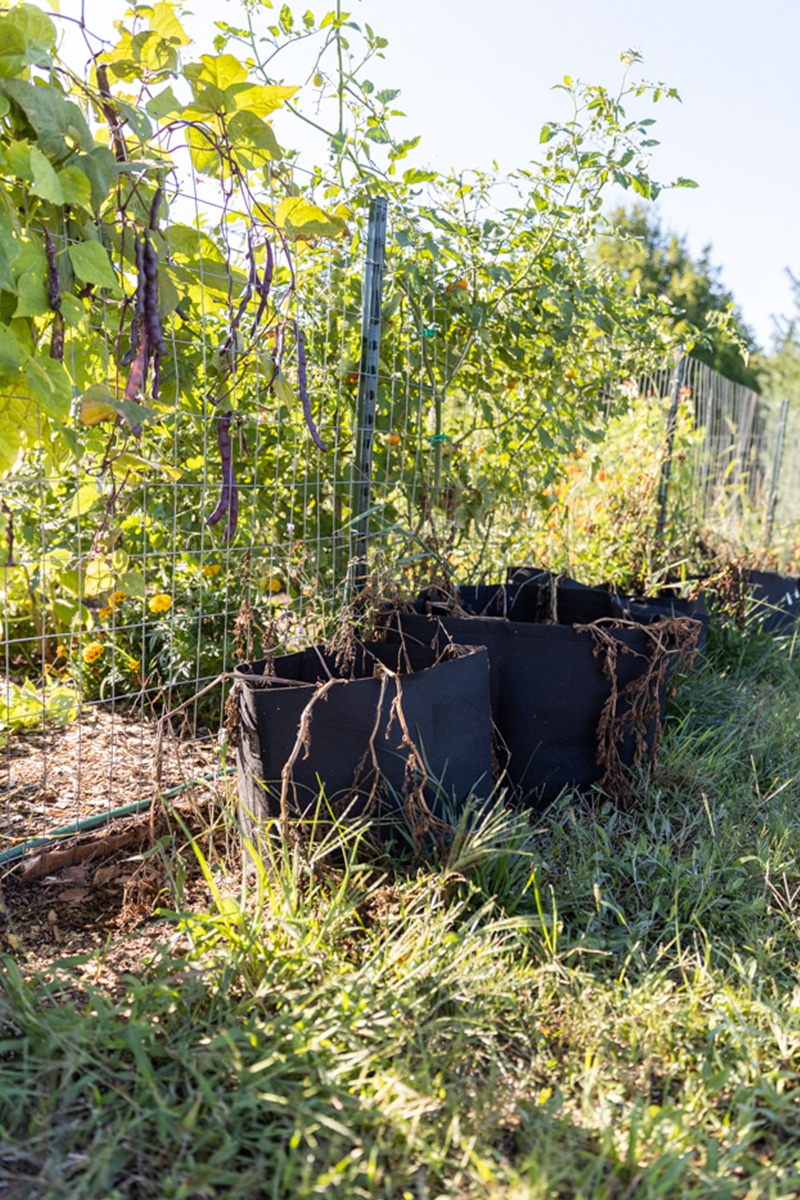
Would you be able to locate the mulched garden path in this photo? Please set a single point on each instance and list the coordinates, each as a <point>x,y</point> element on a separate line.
<point>102,762</point>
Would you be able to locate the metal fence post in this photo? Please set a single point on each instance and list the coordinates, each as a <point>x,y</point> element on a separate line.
<point>368,387</point>
<point>666,465</point>
<point>776,471</point>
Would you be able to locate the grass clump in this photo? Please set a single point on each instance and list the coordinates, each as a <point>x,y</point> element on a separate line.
<point>585,1004</point>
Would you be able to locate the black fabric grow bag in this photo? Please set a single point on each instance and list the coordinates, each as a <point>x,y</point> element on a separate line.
<point>357,748</point>
<point>777,599</point>
<point>579,604</point>
<point>544,598</point>
<point>566,706</point>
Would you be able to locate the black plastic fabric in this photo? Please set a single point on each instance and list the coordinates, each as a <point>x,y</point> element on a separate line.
<point>446,709</point>
<point>777,599</point>
<point>548,691</point>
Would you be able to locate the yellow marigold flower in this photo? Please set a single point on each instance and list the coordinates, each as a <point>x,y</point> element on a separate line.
<point>115,599</point>
<point>105,612</point>
<point>275,584</point>
<point>160,603</point>
<point>92,652</point>
<point>135,666</point>
<point>210,570</point>
<point>61,652</point>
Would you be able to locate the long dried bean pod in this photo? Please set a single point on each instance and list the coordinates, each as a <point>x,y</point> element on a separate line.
<point>252,281</point>
<point>265,286</point>
<point>233,510</point>
<point>137,322</point>
<point>226,459</point>
<point>54,298</point>
<point>53,277</point>
<point>302,381</point>
<point>155,338</point>
<point>135,385</point>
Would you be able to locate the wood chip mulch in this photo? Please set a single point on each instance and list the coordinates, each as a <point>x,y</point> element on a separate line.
<point>101,908</point>
<point>102,762</point>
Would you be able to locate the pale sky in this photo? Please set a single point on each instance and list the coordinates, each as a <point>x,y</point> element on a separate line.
<point>476,81</point>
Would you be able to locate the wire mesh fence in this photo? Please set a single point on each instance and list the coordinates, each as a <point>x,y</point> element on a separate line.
<point>306,390</point>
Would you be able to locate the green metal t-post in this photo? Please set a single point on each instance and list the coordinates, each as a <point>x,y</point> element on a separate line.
<point>368,388</point>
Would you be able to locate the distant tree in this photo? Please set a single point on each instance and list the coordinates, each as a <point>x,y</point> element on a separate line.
<point>659,263</point>
<point>779,373</point>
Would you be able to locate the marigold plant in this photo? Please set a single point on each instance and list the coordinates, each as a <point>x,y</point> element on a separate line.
<point>92,652</point>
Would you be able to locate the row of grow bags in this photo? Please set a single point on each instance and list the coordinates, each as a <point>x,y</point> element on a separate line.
<point>533,686</point>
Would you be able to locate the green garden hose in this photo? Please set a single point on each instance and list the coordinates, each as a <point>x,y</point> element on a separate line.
<point>96,822</point>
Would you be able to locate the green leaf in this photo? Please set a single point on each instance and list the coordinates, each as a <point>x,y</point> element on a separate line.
<point>132,584</point>
<point>63,705</point>
<point>253,141</point>
<point>141,466</point>
<point>220,70</point>
<point>18,424</point>
<point>27,35</point>
<point>302,219</point>
<point>9,252</point>
<point>164,105</point>
<point>50,386</point>
<point>59,124</point>
<point>72,310</point>
<point>98,403</point>
<point>261,100</point>
<point>85,497</point>
<point>13,49</point>
<point>12,355</point>
<point>18,160</point>
<point>97,577</point>
<point>165,23</point>
<point>91,264</point>
<point>45,181</point>
<point>101,169</point>
<point>32,294</point>
<point>76,189</point>
<point>137,120</point>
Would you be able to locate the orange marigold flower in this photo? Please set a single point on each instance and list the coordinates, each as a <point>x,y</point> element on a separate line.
<point>105,612</point>
<point>160,603</point>
<point>61,652</point>
<point>115,599</point>
<point>92,652</point>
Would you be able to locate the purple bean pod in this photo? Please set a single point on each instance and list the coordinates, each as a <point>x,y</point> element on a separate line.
<point>226,458</point>
<point>53,276</point>
<point>233,510</point>
<point>302,381</point>
<point>137,322</point>
<point>265,286</point>
<point>155,338</point>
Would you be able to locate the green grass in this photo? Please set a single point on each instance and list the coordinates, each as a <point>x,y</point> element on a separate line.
<point>588,1004</point>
